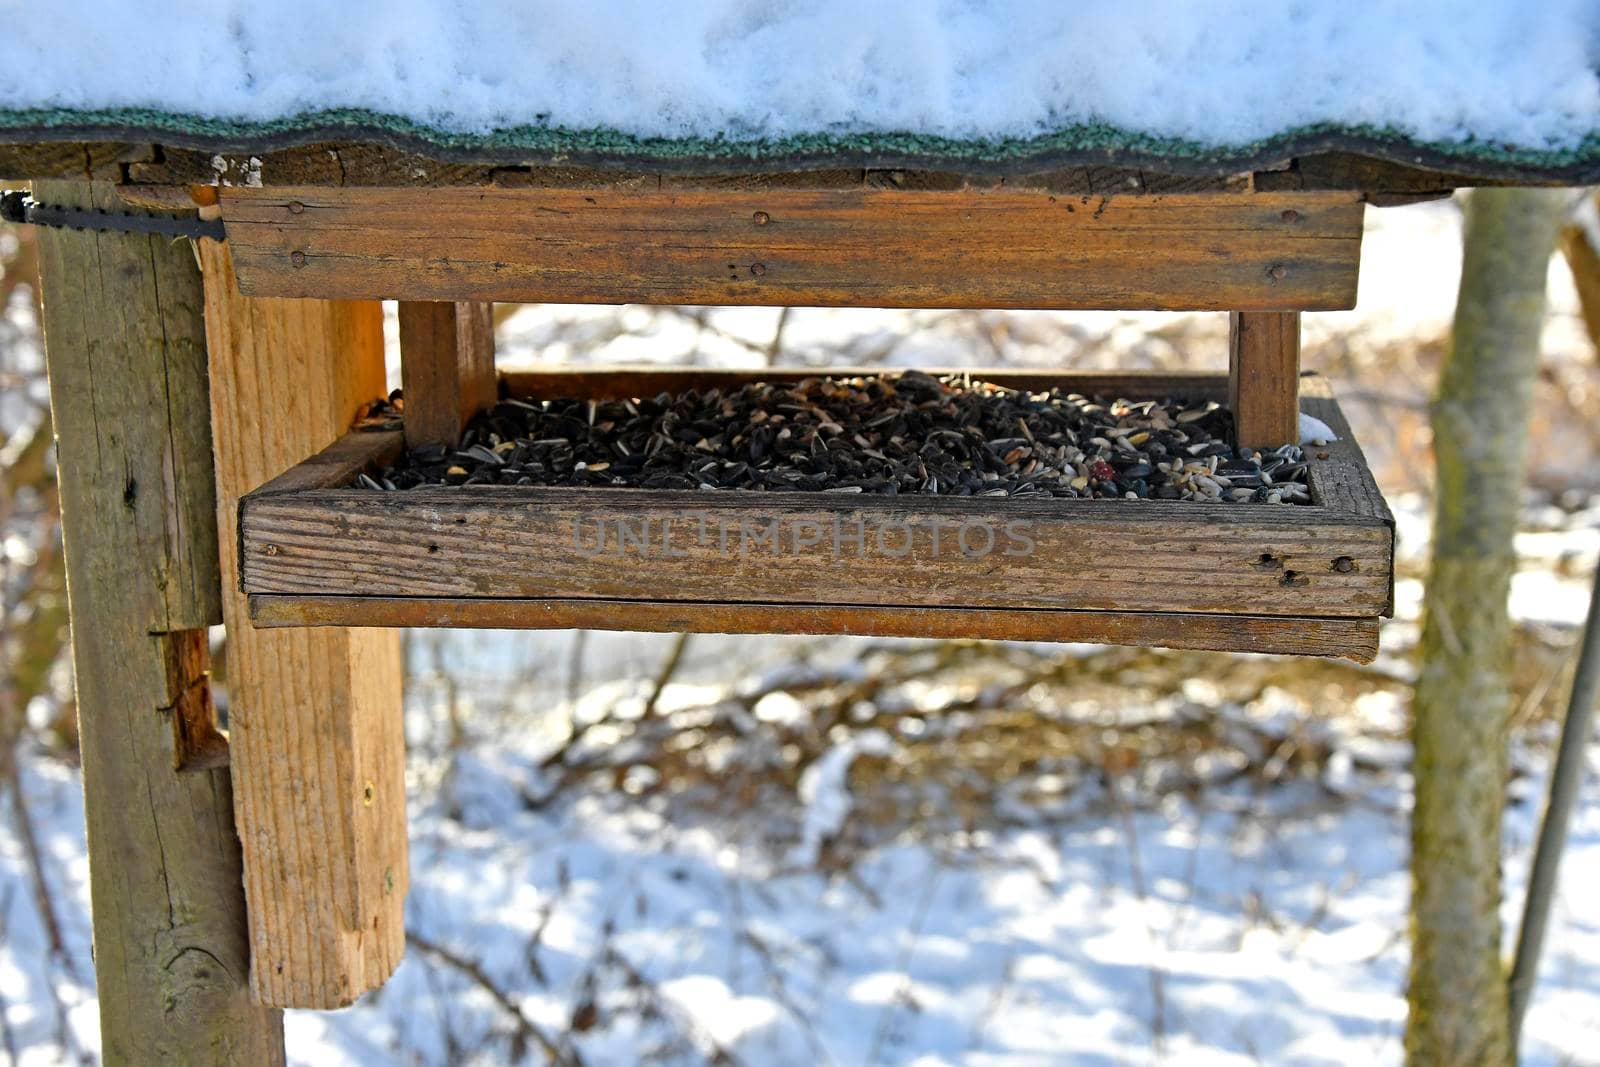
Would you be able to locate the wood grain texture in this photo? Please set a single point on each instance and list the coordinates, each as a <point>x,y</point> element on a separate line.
<point>1355,639</point>
<point>815,548</point>
<point>1264,378</point>
<point>1339,474</point>
<point>127,362</point>
<point>308,534</point>
<point>78,161</point>
<point>198,744</point>
<point>613,381</point>
<point>446,367</point>
<point>316,737</point>
<point>799,246</point>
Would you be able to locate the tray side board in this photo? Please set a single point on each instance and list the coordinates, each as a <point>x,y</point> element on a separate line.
<point>1300,579</point>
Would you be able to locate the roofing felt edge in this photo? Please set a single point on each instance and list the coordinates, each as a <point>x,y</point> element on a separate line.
<point>1072,145</point>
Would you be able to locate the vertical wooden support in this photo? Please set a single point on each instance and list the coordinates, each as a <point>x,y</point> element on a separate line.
<point>317,741</point>
<point>446,367</point>
<point>1264,377</point>
<point>126,351</point>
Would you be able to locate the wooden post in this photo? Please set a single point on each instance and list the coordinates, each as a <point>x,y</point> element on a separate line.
<point>1264,377</point>
<point>127,362</point>
<point>318,748</point>
<point>446,367</point>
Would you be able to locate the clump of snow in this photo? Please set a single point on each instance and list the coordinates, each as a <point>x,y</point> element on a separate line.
<point>1498,72</point>
<point>1313,431</point>
<point>825,792</point>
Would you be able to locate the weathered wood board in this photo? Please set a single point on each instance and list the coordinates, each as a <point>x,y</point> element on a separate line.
<point>1264,377</point>
<point>125,344</point>
<point>1355,639</point>
<point>317,741</point>
<point>805,562</point>
<point>446,367</point>
<point>998,247</point>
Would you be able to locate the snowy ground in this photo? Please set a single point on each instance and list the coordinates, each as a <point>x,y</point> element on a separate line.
<point>1118,905</point>
<point>1030,855</point>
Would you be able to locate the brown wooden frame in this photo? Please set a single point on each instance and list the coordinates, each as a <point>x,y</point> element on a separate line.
<point>864,247</point>
<point>1308,580</point>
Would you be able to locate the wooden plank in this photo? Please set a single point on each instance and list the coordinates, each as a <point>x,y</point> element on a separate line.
<point>644,544</point>
<point>127,362</point>
<point>1264,378</point>
<point>316,737</point>
<point>614,381</point>
<point>1339,475</point>
<point>446,367</point>
<point>79,161</point>
<point>1355,639</point>
<point>774,246</point>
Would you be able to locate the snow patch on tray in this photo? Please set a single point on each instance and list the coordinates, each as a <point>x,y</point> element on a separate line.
<point>1313,431</point>
<point>1496,72</point>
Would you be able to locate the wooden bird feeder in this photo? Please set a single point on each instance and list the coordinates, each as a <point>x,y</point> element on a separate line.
<point>258,399</point>
<point>316,549</point>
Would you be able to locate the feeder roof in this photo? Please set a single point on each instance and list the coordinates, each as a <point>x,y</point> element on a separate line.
<point>1478,90</point>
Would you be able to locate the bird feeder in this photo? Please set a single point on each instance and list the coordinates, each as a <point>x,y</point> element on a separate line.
<point>317,548</point>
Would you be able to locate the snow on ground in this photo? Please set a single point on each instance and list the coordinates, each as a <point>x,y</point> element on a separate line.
<point>1239,925</point>
<point>1493,71</point>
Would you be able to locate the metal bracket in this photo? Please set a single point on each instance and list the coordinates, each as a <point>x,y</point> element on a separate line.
<point>20,207</point>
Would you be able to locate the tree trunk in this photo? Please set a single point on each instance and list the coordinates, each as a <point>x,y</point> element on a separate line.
<point>1458,1001</point>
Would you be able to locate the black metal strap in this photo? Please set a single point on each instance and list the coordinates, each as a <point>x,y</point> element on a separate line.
<point>20,207</point>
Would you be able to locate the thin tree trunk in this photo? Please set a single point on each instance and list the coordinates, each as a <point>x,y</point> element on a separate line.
<point>1458,1002</point>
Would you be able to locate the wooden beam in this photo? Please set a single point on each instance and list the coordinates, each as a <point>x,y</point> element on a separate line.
<point>446,367</point>
<point>317,745</point>
<point>126,353</point>
<point>621,381</point>
<point>646,544</point>
<point>869,247</point>
<point>1355,639</point>
<point>1264,378</point>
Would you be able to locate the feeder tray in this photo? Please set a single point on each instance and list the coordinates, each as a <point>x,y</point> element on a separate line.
<point>317,549</point>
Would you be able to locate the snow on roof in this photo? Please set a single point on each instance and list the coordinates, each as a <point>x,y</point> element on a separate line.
<point>1498,80</point>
